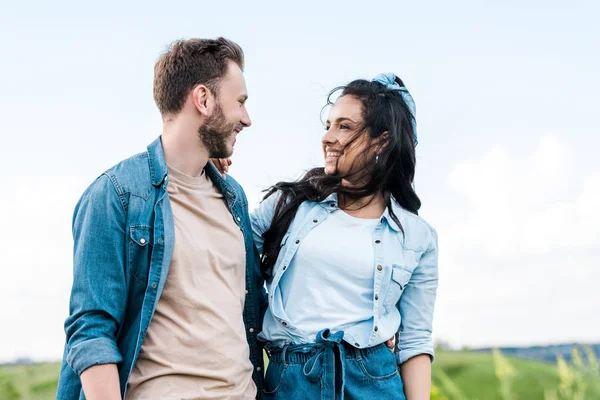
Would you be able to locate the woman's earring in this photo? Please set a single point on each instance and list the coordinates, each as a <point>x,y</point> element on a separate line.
<point>377,159</point>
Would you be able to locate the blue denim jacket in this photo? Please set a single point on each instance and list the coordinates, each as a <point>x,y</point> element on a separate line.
<point>123,243</point>
<point>405,273</point>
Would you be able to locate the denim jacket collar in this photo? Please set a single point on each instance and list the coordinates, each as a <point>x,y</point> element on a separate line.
<point>159,171</point>
<point>158,165</point>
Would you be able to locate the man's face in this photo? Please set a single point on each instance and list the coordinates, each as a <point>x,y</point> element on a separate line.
<point>229,117</point>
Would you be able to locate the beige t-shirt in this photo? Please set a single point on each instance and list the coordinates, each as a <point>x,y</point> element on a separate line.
<point>196,344</point>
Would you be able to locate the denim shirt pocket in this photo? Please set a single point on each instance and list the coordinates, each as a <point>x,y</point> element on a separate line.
<point>400,278</point>
<point>140,252</point>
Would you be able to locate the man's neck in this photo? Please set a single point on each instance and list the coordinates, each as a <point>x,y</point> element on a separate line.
<point>183,149</point>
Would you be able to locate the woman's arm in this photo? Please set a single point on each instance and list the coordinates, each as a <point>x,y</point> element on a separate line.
<point>261,219</point>
<point>416,375</point>
<point>416,309</point>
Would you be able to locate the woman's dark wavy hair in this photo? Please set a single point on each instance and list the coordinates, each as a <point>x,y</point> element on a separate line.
<point>391,174</point>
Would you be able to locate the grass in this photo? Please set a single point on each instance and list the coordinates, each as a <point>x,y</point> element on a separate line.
<point>458,375</point>
<point>475,377</point>
<point>29,382</point>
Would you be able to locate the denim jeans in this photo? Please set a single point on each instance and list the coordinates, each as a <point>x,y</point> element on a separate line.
<point>332,369</point>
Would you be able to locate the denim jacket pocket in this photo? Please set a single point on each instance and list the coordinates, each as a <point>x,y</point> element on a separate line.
<point>140,252</point>
<point>400,278</point>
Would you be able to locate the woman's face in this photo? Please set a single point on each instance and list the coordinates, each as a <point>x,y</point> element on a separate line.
<point>344,123</point>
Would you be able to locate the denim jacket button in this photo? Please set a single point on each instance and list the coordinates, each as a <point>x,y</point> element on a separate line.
<point>142,240</point>
<point>251,330</point>
<point>154,285</point>
<point>239,219</point>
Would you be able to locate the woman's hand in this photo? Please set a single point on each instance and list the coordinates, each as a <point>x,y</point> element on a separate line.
<point>391,343</point>
<point>222,165</point>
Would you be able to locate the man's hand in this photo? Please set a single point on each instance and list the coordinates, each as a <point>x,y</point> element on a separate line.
<point>222,165</point>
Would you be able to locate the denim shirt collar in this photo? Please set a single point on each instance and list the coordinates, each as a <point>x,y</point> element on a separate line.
<point>333,199</point>
<point>397,212</point>
<point>159,171</point>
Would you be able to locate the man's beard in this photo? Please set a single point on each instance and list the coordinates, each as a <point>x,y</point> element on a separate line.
<point>215,133</point>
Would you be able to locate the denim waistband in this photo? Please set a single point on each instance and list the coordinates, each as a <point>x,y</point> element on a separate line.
<point>323,361</point>
<point>301,353</point>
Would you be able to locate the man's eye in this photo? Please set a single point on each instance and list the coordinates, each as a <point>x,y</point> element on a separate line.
<point>344,126</point>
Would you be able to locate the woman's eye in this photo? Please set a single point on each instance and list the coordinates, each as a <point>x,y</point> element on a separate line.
<point>344,127</point>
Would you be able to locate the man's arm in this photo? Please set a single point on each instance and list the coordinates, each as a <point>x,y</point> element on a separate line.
<point>99,290</point>
<point>101,382</point>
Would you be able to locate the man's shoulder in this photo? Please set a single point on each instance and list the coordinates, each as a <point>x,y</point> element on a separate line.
<point>132,175</point>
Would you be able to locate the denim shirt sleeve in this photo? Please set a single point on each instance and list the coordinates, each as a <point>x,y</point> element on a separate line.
<point>99,287</point>
<point>416,306</point>
<point>261,219</point>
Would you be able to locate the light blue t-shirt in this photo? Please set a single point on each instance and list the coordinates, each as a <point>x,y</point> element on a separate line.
<point>330,258</point>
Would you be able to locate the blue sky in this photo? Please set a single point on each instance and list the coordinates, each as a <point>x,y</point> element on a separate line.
<point>508,171</point>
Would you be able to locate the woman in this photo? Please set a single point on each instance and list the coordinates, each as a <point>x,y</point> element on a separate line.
<point>348,262</point>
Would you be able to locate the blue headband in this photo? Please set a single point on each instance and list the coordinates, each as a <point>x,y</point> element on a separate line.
<point>389,81</point>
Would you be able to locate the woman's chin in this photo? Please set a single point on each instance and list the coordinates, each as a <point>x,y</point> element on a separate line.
<point>330,170</point>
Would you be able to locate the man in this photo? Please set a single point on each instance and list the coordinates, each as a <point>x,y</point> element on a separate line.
<point>167,296</point>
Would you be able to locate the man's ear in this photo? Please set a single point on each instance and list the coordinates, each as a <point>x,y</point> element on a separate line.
<point>201,97</point>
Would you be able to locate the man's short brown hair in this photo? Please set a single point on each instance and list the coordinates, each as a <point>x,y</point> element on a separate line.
<point>188,63</point>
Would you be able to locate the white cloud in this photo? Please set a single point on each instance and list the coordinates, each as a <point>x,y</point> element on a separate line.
<point>520,265</point>
<point>521,206</point>
<point>36,248</point>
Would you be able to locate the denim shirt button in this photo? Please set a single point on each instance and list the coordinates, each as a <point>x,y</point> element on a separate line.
<point>154,285</point>
<point>160,241</point>
<point>142,240</point>
<point>239,219</point>
<point>251,330</point>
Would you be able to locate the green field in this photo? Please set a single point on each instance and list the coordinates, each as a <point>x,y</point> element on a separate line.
<point>474,376</point>
<point>458,375</point>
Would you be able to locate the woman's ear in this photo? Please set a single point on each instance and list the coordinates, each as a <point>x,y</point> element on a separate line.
<point>384,139</point>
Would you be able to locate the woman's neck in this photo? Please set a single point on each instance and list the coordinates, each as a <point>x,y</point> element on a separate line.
<point>369,207</point>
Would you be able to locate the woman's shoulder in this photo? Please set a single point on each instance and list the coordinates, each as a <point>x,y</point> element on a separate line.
<point>418,233</point>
